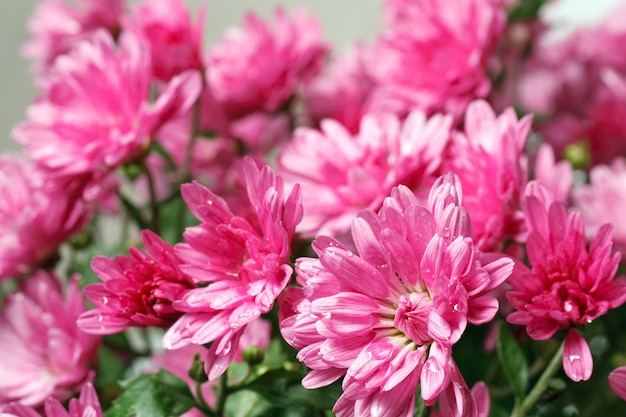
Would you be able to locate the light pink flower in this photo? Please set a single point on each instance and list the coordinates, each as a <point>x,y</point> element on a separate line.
<point>557,177</point>
<point>432,56</point>
<point>42,351</point>
<point>574,84</point>
<point>567,284</point>
<point>34,220</point>
<point>57,26</point>
<point>244,263</point>
<point>86,405</point>
<point>95,114</point>
<point>137,290</point>
<point>387,318</point>
<point>174,40</point>
<point>488,157</point>
<point>617,381</point>
<point>341,173</point>
<point>341,92</point>
<point>603,200</point>
<point>282,54</point>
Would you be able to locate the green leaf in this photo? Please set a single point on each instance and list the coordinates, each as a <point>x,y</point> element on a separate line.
<point>513,361</point>
<point>283,388</point>
<point>525,10</point>
<point>153,395</point>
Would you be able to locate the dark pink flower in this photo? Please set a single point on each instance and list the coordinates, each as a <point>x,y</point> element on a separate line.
<point>86,405</point>
<point>341,173</point>
<point>57,26</point>
<point>43,353</point>
<point>386,318</point>
<point>95,114</point>
<point>567,284</point>
<point>35,217</point>
<point>488,157</point>
<point>433,57</point>
<point>244,262</point>
<point>174,40</point>
<point>137,290</point>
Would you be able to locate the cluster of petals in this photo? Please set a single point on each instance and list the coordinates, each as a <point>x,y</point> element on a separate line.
<point>342,173</point>
<point>577,84</point>
<point>137,290</point>
<point>57,26</point>
<point>95,114</point>
<point>43,353</point>
<point>241,263</point>
<point>86,405</point>
<point>386,318</point>
<point>35,218</point>
<point>603,200</point>
<point>174,39</point>
<point>341,91</point>
<point>488,157</point>
<point>567,285</point>
<point>434,57</point>
<point>244,103</point>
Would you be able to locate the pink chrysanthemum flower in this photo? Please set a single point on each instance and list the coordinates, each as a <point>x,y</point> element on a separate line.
<point>387,318</point>
<point>432,56</point>
<point>617,381</point>
<point>86,405</point>
<point>137,290</point>
<point>250,105</point>
<point>174,40</point>
<point>341,92</point>
<point>34,220</point>
<point>488,157</point>
<point>603,200</point>
<point>56,26</point>
<point>341,173</point>
<point>94,114</point>
<point>43,353</point>
<point>567,285</point>
<point>282,54</point>
<point>244,263</point>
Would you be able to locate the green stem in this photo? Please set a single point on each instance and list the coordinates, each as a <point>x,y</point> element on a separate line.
<point>425,411</point>
<point>200,401</point>
<point>155,223</point>
<point>221,394</point>
<point>533,396</point>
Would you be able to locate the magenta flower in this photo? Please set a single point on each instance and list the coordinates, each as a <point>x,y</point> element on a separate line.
<point>603,200</point>
<point>488,157</point>
<point>94,114</point>
<point>387,318</point>
<point>617,381</point>
<point>433,57</point>
<point>174,40</point>
<point>57,26</point>
<point>137,290</point>
<point>244,262</point>
<point>42,351</point>
<point>567,285</point>
<point>35,218</point>
<point>341,173</point>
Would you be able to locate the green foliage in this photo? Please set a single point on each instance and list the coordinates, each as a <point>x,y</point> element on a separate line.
<point>513,361</point>
<point>153,395</point>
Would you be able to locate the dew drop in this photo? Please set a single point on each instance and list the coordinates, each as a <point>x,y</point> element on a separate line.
<point>105,300</point>
<point>573,358</point>
<point>327,315</point>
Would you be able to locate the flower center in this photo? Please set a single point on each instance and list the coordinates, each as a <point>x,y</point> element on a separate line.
<point>412,316</point>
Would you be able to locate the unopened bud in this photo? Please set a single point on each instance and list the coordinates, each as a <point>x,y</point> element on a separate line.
<point>196,372</point>
<point>253,355</point>
<point>578,154</point>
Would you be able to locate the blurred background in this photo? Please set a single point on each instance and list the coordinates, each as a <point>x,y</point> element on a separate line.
<point>343,22</point>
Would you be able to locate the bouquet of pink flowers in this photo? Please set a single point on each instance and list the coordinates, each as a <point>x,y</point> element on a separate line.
<point>430,223</point>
